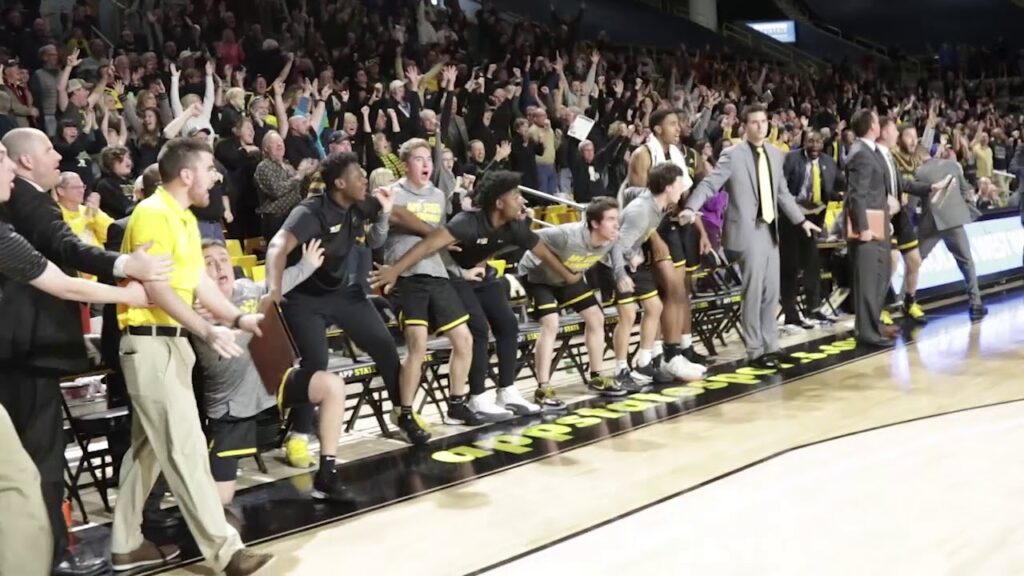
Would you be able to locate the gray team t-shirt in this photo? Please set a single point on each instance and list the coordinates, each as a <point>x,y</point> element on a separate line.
<point>639,219</point>
<point>571,243</point>
<point>429,204</point>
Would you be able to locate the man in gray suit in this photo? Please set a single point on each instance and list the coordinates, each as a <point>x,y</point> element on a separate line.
<point>944,215</point>
<point>751,173</point>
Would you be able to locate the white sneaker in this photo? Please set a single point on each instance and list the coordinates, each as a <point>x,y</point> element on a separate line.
<point>512,400</point>
<point>680,368</point>
<point>487,410</point>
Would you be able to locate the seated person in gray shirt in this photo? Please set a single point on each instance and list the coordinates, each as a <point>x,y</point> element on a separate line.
<point>236,398</point>
<point>579,245</point>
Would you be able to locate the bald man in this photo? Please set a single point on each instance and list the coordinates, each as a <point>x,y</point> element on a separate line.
<point>41,335</point>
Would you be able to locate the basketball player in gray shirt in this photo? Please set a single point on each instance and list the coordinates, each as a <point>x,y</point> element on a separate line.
<point>579,245</point>
<point>236,398</point>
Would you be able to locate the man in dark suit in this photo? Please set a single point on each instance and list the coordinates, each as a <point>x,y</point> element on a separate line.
<point>813,179</point>
<point>41,336</point>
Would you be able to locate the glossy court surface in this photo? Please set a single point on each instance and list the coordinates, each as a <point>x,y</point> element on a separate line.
<point>503,496</point>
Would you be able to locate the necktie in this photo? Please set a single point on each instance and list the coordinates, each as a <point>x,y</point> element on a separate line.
<point>815,182</point>
<point>764,185</point>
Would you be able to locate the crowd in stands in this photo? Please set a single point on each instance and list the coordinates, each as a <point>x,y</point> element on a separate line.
<point>279,90</point>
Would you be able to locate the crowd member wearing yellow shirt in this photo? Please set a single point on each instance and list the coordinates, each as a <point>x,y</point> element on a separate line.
<point>157,362</point>
<point>82,213</point>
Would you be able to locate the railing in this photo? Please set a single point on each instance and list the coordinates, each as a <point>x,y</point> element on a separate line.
<point>550,198</point>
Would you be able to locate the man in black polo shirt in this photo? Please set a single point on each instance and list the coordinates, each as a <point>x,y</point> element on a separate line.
<point>499,224</point>
<point>334,294</point>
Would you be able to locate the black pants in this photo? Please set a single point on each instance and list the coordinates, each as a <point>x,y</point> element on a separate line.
<point>34,404</point>
<point>308,318</point>
<point>798,252</point>
<point>487,305</point>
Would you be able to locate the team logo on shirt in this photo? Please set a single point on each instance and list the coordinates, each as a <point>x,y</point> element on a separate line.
<point>335,229</point>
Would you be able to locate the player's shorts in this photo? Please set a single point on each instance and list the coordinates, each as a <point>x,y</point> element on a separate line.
<point>549,299</point>
<point>643,285</point>
<point>429,301</point>
<point>231,438</point>
<point>683,244</point>
<point>904,235</point>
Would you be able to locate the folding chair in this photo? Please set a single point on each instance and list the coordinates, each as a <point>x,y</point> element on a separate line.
<point>84,430</point>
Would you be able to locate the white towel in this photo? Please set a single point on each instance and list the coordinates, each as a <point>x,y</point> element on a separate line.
<point>676,156</point>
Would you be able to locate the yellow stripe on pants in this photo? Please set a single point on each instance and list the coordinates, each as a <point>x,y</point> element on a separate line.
<point>26,542</point>
<point>167,436</point>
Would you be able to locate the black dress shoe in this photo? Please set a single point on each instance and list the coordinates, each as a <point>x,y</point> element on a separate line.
<point>766,362</point>
<point>159,519</point>
<point>978,312</point>
<point>81,565</point>
<point>882,343</point>
<point>784,358</point>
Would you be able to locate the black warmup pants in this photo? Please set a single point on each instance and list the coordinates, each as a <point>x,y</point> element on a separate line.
<point>349,309</point>
<point>798,252</point>
<point>34,404</point>
<point>487,305</point>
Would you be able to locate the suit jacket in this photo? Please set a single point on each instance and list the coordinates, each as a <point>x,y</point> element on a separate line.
<point>867,185</point>
<point>795,169</point>
<point>38,330</point>
<point>736,171</point>
<point>953,211</point>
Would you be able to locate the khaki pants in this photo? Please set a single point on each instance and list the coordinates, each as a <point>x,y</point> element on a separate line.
<point>167,436</point>
<point>26,544</point>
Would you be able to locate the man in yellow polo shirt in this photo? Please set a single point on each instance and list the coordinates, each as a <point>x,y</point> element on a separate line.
<point>157,361</point>
<point>82,213</point>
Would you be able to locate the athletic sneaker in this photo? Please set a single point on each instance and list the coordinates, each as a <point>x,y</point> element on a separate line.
<point>916,312</point>
<point>696,357</point>
<point>296,451</point>
<point>886,318</point>
<point>627,383</point>
<point>644,374</point>
<point>147,554</point>
<point>328,486</point>
<point>679,368</point>
<point>605,386</point>
<point>512,400</point>
<point>548,400</point>
<point>396,412</point>
<point>409,425</point>
<point>485,410</point>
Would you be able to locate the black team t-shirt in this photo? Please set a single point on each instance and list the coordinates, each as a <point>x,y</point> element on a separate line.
<point>479,239</point>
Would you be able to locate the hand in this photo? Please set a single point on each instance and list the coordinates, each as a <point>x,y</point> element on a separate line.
<point>413,74</point>
<point>595,57</point>
<point>93,201</point>
<point>383,277</point>
<point>143,267</point>
<point>175,73</point>
<point>210,67</point>
<point>313,253</point>
<point>251,323</point>
<point>308,166</point>
<point>942,184</point>
<point>195,110</point>
<point>687,216</point>
<point>705,244</point>
<point>222,340</point>
<point>386,197</point>
<point>476,274</point>
<point>73,59</point>
<point>625,285</point>
<point>810,228</point>
<point>503,151</point>
<point>893,205</point>
<point>133,294</point>
<point>866,236</point>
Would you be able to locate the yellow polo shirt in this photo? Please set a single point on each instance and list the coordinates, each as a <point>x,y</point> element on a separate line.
<point>172,230</point>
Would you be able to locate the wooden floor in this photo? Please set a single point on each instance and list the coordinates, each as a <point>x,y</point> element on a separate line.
<point>885,502</point>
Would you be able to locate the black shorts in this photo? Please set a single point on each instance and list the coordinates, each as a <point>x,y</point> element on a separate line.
<point>549,299</point>
<point>643,285</point>
<point>231,438</point>
<point>683,244</point>
<point>429,301</point>
<point>904,235</point>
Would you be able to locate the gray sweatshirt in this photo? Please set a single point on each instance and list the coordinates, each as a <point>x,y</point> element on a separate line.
<point>638,220</point>
<point>430,205</point>
<point>571,243</point>
<point>233,386</point>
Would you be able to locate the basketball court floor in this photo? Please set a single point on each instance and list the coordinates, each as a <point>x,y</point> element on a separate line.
<point>900,461</point>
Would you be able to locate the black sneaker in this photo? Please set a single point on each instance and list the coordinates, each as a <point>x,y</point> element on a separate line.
<point>659,377</point>
<point>627,383</point>
<point>460,413</point>
<point>605,386</point>
<point>696,357</point>
<point>328,486</point>
<point>411,430</point>
<point>548,399</point>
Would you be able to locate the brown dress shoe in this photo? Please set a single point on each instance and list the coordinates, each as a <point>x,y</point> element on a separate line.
<point>148,554</point>
<point>246,562</point>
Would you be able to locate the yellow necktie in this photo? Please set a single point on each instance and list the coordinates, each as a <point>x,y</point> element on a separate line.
<point>764,184</point>
<point>815,182</point>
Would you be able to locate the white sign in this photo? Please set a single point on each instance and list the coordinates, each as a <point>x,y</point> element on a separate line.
<point>581,128</point>
<point>781,30</point>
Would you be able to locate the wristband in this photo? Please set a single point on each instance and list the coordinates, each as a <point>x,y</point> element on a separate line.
<point>236,321</point>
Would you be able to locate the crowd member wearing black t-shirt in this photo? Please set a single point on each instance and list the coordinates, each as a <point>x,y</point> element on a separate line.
<point>499,224</point>
<point>335,293</point>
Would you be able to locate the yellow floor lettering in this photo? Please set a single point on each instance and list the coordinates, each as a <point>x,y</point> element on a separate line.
<point>555,432</point>
<point>460,454</point>
<point>506,443</point>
